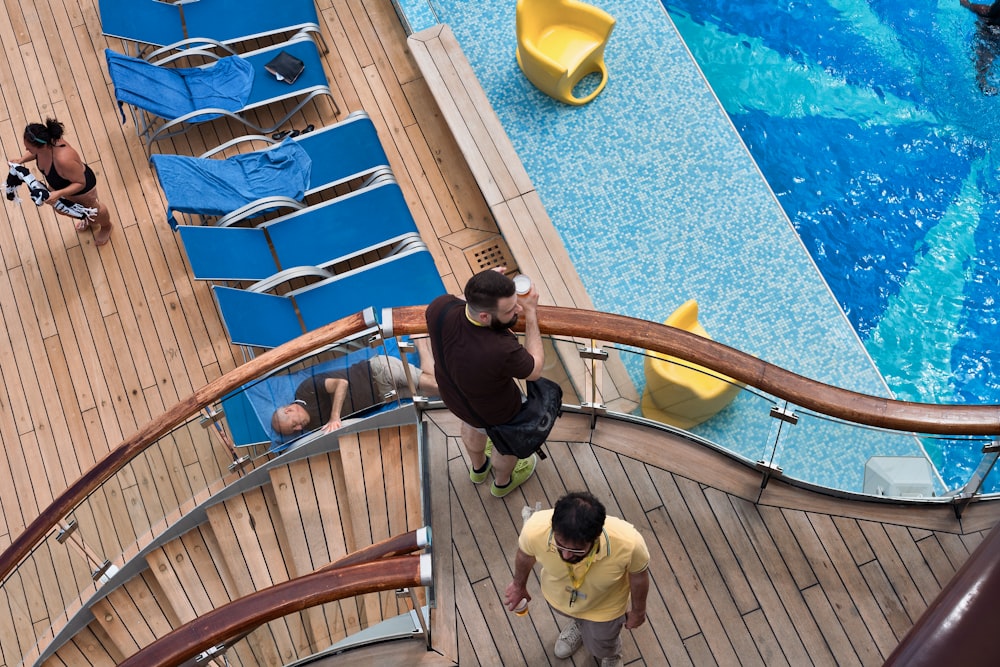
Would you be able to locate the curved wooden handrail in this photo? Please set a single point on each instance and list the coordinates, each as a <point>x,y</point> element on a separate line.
<point>119,457</point>
<point>810,394</point>
<point>251,611</point>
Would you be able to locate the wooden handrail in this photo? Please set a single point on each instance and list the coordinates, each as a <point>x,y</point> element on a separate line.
<point>822,398</point>
<point>149,434</point>
<point>810,394</point>
<point>251,611</point>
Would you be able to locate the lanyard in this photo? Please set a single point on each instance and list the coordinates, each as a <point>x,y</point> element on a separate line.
<point>574,591</point>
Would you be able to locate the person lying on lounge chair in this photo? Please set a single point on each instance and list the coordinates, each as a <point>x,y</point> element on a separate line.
<point>321,400</point>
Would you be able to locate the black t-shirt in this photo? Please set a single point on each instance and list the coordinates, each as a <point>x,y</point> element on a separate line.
<point>313,396</point>
<point>477,364</point>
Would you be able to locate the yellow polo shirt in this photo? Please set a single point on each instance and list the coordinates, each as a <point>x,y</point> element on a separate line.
<point>604,591</point>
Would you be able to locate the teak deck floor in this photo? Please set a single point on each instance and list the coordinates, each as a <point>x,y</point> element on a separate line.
<point>794,579</point>
<point>99,340</point>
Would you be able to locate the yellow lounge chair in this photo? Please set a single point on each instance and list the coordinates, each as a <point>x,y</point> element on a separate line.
<point>678,392</point>
<point>559,42</point>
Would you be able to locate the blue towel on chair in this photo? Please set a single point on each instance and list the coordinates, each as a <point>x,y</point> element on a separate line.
<point>205,186</point>
<point>171,92</point>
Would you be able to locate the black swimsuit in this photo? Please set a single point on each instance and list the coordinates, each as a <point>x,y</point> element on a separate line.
<point>57,182</point>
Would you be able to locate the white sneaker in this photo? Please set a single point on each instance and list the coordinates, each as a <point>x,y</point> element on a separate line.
<point>569,640</point>
<point>613,661</point>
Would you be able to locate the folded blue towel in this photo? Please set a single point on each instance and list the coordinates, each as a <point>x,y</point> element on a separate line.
<point>171,92</point>
<point>205,186</point>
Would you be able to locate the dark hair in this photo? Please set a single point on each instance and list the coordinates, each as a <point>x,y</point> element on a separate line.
<point>578,516</point>
<point>37,134</point>
<point>486,288</point>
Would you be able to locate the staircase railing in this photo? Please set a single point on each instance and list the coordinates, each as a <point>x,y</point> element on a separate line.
<point>823,399</point>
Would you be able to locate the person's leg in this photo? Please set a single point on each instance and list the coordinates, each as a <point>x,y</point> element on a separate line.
<point>987,42</point>
<point>102,221</point>
<point>603,639</point>
<point>474,440</point>
<point>424,355</point>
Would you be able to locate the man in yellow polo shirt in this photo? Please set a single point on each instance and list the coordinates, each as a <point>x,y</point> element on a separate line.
<point>592,564</point>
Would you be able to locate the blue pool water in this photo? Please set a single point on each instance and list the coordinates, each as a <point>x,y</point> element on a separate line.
<point>867,122</point>
<point>657,201</point>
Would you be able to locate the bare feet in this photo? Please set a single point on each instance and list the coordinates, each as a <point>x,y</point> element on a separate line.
<point>82,225</point>
<point>102,235</point>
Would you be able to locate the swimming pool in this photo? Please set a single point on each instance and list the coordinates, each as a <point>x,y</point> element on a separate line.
<point>657,202</point>
<point>867,122</point>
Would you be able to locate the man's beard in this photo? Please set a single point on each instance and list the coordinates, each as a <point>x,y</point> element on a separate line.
<point>497,325</point>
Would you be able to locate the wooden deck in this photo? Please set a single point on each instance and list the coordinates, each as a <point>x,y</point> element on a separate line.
<point>99,340</point>
<point>796,578</point>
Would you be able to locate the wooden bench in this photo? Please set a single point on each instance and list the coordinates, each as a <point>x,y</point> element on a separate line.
<point>514,203</point>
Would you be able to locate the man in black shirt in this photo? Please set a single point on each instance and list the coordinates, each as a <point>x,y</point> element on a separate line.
<point>987,40</point>
<point>322,399</point>
<point>477,359</point>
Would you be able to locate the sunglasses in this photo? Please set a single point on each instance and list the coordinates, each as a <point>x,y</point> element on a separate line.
<point>555,547</point>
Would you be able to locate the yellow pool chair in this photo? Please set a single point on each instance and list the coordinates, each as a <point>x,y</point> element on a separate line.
<point>678,392</point>
<point>559,42</point>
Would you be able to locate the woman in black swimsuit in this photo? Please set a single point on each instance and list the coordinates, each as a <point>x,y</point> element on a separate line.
<point>66,174</point>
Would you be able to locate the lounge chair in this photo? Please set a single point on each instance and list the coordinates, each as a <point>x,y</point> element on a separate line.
<point>337,154</point>
<point>255,318</point>
<point>559,42</point>
<point>248,411</point>
<point>159,23</point>
<point>681,393</point>
<point>167,101</point>
<point>334,231</point>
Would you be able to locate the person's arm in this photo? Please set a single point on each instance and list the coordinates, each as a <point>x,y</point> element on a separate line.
<point>532,336</point>
<point>27,157</point>
<point>337,389</point>
<point>982,10</point>
<point>70,166</point>
<point>517,589</point>
<point>638,584</point>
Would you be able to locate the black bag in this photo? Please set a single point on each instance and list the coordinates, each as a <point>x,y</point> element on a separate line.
<point>528,431</point>
<point>285,67</point>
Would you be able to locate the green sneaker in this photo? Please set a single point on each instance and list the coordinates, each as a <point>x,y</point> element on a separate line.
<point>480,477</point>
<point>523,471</point>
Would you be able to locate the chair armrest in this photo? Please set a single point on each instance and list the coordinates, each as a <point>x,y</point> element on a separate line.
<point>257,207</point>
<point>293,273</point>
<point>237,141</point>
<point>193,43</point>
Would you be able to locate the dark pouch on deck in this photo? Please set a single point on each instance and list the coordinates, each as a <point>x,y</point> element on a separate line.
<point>285,67</point>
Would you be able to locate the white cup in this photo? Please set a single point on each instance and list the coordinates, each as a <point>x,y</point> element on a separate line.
<point>522,284</point>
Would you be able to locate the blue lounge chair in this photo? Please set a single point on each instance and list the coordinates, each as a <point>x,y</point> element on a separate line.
<point>334,231</point>
<point>255,318</point>
<point>248,410</point>
<point>160,23</point>
<point>167,101</point>
<point>338,153</point>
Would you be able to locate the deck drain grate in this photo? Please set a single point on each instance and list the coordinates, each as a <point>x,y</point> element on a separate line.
<point>491,253</point>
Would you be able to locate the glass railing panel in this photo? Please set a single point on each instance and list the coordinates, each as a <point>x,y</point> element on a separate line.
<point>960,459</point>
<point>180,470</point>
<point>838,455</point>
<point>631,381</point>
<point>761,428</point>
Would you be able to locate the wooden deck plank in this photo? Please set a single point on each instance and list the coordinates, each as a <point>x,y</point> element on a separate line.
<point>120,333</point>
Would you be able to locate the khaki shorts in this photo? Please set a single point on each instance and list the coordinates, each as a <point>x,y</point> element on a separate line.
<point>389,375</point>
